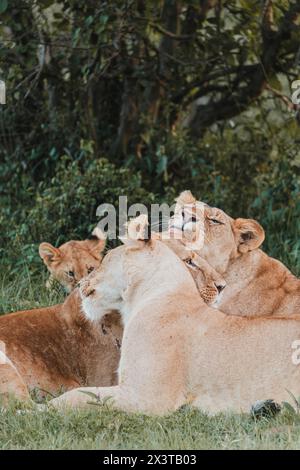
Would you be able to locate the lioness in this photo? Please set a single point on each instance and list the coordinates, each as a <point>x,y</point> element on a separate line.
<point>73,260</point>
<point>257,284</point>
<point>177,350</point>
<point>56,347</point>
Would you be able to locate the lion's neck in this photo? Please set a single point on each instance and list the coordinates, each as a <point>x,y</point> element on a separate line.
<point>163,281</point>
<point>255,283</point>
<point>71,308</point>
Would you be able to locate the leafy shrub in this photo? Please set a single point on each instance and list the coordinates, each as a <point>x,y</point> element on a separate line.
<point>278,208</point>
<point>65,207</point>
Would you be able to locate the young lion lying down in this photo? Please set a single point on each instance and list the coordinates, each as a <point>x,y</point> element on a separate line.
<point>177,350</point>
<point>56,347</point>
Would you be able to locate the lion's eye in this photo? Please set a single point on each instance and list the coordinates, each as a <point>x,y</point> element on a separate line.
<point>190,262</point>
<point>215,221</point>
<point>90,269</point>
<point>71,273</point>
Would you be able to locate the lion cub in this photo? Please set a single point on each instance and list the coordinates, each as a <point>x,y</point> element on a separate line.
<point>73,260</point>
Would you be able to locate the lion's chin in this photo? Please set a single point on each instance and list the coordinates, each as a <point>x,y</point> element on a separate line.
<point>216,303</point>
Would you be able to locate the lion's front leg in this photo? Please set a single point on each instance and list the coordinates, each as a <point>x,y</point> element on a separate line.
<point>88,396</point>
<point>12,384</point>
<point>123,398</point>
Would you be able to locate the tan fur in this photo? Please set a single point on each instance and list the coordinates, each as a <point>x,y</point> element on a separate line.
<point>56,347</point>
<point>73,260</point>
<point>207,279</point>
<point>11,382</point>
<point>177,350</point>
<point>185,198</point>
<point>257,285</point>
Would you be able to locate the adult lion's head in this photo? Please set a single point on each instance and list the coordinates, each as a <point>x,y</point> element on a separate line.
<point>217,236</point>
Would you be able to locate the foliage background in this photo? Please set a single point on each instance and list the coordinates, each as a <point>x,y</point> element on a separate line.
<point>146,98</point>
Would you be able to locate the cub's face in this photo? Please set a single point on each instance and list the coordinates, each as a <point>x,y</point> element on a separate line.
<point>72,261</point>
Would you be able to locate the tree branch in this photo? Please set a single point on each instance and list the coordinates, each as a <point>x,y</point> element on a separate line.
<point>286,100</point>
<point>249,87</point>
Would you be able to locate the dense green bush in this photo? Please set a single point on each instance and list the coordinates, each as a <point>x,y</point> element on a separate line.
<point>278,209</point>
<point>64,207</point>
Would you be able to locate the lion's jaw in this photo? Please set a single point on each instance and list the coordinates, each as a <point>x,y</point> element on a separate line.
<point>101,291</point>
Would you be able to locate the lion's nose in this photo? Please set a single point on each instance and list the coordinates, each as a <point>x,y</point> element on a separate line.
<point>90,292</point>
<point>87,290</point>
<point>220,287</point>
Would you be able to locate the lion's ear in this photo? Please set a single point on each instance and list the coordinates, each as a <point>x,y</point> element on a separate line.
<point>137,232</point>
<point>184,198</point>
<point>96,247</point>
<point>97,233</point>
<point>49,253</point>
<point>97,243</point>
<point>249,234</point>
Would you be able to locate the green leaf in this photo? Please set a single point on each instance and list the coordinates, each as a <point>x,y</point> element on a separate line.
<point>162,164</point>
<point>293,396</point>
<point>275,83</point>
<point>89,20</point>
<point>90,394</point>
<point>288,407</point>
<point>3,5</point>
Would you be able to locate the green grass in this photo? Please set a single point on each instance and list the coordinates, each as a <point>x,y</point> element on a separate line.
<point>104,428</point>
<point>25,292</point>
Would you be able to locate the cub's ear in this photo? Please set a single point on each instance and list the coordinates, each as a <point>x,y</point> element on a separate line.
<point>249,234</point>
<point>97,233</point>
<point>137,232</point>
<point>49,253</point>
<point>97,243</point>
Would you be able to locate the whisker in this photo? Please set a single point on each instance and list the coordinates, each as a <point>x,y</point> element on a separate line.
<point>158,222</point>
<point>153,226</point>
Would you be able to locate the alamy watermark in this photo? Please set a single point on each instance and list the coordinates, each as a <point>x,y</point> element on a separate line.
<point>2,92</point>
<point>296,94</point>
<point>173,222</point>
